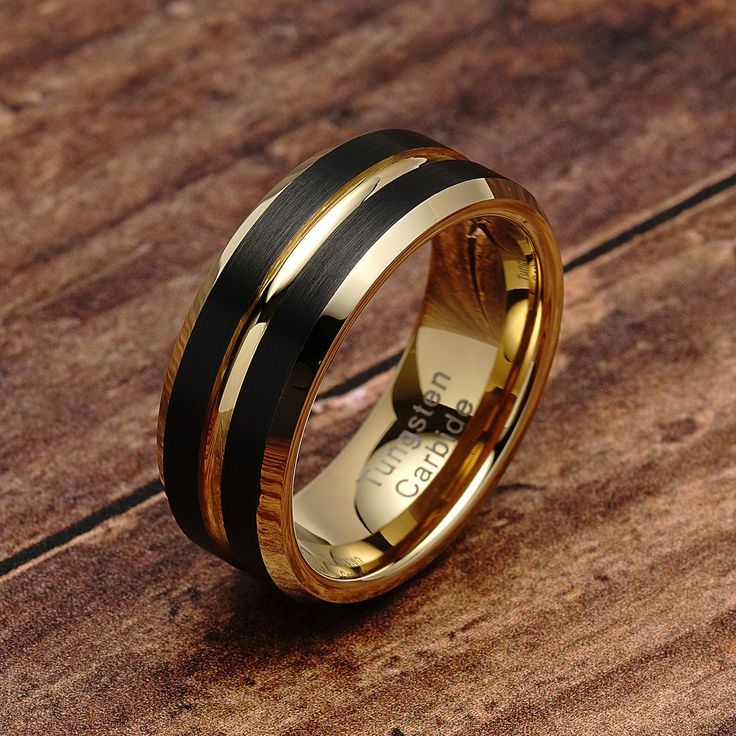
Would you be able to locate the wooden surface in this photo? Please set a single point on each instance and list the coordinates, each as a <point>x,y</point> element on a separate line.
<point>595,593</point>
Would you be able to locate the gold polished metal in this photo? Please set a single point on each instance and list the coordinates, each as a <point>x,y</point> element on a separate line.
<point>441,435</point>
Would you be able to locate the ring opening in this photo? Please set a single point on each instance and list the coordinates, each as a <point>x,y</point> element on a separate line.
<point>450,407</point>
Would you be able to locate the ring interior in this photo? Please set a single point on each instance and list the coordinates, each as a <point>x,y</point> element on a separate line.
<point>450,408</point>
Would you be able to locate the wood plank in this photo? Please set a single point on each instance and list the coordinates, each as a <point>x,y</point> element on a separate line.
<point>551,118</point>
<point>181,119</point>
<point>123,204</point>
<point>593,594</point>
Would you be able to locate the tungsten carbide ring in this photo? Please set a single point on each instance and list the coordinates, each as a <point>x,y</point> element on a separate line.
<point>268,321</point>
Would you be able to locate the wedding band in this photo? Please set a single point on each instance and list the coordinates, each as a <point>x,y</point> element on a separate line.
<point>268,321</point>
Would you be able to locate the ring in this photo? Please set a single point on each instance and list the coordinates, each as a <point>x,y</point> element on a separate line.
<point>269,320</point>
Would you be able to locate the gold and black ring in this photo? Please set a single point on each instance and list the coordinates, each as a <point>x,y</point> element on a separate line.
<point>268,321</point>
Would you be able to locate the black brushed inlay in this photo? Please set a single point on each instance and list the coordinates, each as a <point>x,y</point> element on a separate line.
<point>234,291</point>
<point>293,323</point>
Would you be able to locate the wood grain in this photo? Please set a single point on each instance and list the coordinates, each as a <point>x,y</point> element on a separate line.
<point>132,176</point>
<point>37,33</point>
<point>595,593</point>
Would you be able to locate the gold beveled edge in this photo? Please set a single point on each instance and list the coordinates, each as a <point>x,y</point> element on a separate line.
<point>253,324</point>
<point>279,546</point>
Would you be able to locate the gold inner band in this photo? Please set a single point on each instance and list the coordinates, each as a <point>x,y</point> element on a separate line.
<point>450,408</point>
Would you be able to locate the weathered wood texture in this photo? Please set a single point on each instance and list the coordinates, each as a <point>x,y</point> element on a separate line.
<point>129,161</point>
<point>595,594</point>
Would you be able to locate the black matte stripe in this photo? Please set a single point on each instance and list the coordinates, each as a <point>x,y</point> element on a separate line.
<point>292,326</point>
<point>233,293</point>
